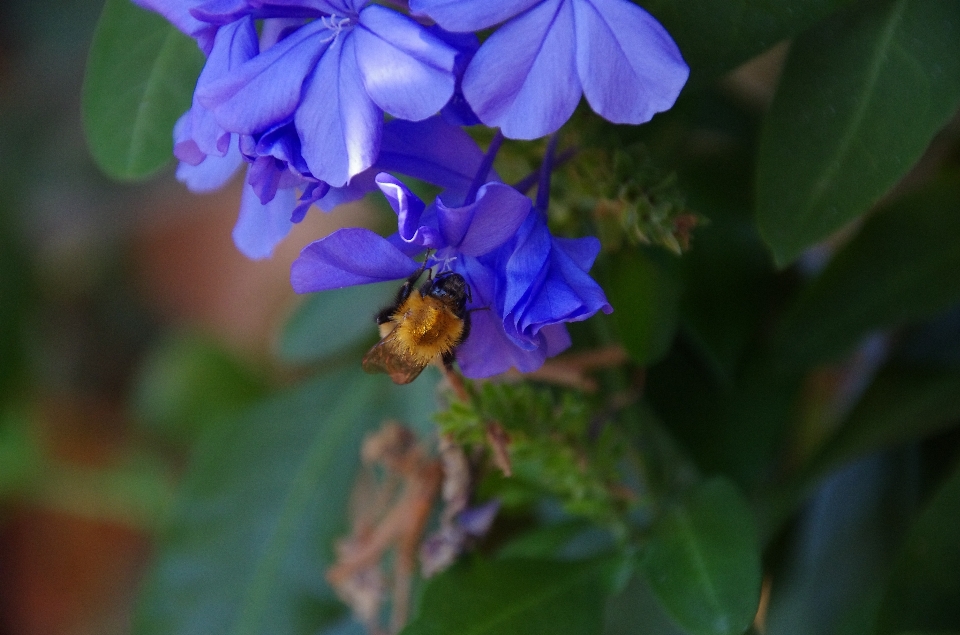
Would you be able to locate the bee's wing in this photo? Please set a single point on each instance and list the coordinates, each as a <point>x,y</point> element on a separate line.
<point>387,357</point>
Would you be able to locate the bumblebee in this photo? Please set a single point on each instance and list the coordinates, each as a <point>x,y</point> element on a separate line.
<point>421,325</point>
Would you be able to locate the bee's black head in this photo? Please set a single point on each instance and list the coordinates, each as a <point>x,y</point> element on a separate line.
<point>449,287</point>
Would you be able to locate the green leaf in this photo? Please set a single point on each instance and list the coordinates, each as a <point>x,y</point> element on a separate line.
<point>514,597</point>
<point>728,427</point>
<point>703,561</point>
<point>902,404</point>
<point>21,460</point>
<point>635,610</point>
<point>921,592</point>
<point>544,541</point>
<point>901,266</point>
<point>905,402</point>
<point>258,512</point>
<point>189,383</point>
<point>140,76</point>
<point>319,327</point>
<point>834,559</point>
<point>643,287</point>
<point>715,36</point>
<point>860,98</point>
<point>727,274</point>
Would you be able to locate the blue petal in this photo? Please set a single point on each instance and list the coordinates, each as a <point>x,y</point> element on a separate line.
<point>197,135</point>
<point>477,521</point>
<point>407,70</point>
<point>275,29</point>
<point>339,125</point>
<point>264,177</point>
<point>433,151</point>
<point>629,66</point>
<point>348,257</point>
<point>567,294</point>
<point>211,173</point>
<point>266,90</point>
<point>457,111</point>
<point>526,267</point>
<point>557,338</point>
<point>235,45</point>
<point>223,11</point>
<point>282,143</point>
<point>260,227</point>
<point>409,209</point>
<point>488,350</point>
<point>356,189</point>
<point>177,12</point>
<point>546,282</point>
<point>583,251</point>
<point>312,192</point>
<point>481,227</point>
<point>198,131</point>
<point>524,77</point>
<point>469,15</point>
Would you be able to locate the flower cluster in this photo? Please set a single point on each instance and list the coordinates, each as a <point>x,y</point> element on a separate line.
<point>298,90</point>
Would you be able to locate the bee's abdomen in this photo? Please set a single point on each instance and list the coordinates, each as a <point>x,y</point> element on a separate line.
<point>428,328</point>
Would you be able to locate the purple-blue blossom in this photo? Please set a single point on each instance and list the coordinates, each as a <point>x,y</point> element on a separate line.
<point>277,194</point>
<point>528,76</point>
<point>333,78</point>
<point>525,284</point>
<point>303,103</point>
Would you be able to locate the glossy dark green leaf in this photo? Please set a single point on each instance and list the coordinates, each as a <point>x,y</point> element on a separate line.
<point>260,507</point>
<point>635,610</point>
<point>643,287</point>
<point>729,427</point>
<point>703,561</point>
<point>860,98</point>
<point>921,591</point>
<point>835,557</point>
<point>901,266</point>
<point>140,76</point>
<point>902,404</point>
<point>727,274</point>
<point>715,36</point>
<point>514,597</point>
<point>329,322</point>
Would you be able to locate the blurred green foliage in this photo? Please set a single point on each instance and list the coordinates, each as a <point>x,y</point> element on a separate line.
<point>784,272</point>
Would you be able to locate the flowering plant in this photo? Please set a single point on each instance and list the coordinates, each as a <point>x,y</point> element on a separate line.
<point>302,103</point>
<point>658,329</point>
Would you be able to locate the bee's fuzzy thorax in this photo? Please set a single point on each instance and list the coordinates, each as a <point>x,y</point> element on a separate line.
<point>425,328</point>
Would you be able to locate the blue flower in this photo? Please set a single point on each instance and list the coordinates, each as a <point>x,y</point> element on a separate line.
<point>524,283</point>
<point>527,77</point>
<point>279,187</point>
<point>332,79</point>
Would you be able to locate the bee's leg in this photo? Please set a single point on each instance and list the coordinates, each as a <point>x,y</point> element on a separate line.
<point>402,294</point>
<point>466,328</point>
<point>427,285</point>
<point>447,359</point>
<point>385,314</point>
